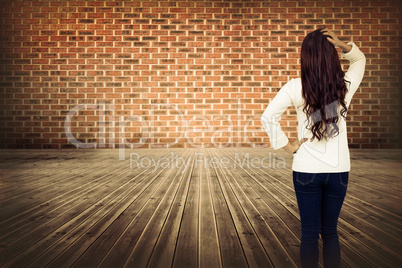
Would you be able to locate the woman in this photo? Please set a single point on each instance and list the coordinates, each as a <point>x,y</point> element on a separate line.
<point>321,162</point>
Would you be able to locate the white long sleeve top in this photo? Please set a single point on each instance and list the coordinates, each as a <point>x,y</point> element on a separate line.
<point>314,156</point>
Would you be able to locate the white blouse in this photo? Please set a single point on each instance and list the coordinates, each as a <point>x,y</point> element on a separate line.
<point>314,156</point>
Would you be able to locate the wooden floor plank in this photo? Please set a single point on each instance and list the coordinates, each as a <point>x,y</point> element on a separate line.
<point>186,251</point>
<point>120,184</point>
<point>39,179</point>
<point>24,238</point>
<point>120,236</point>
<point>54,243</point>
<point>247,224</point>
<point>283,242</point>
<point>40,213</point>
<point>142,251</point>
<point>209,250</point>
<point>69,236</point>
<point>232,254</point>
<point>164,248</point>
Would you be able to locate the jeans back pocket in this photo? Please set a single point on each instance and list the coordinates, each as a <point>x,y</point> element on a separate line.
<point>304,178</point>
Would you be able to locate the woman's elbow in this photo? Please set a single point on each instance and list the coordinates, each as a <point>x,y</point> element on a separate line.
<point>363,58</point>
<point>266,116</point>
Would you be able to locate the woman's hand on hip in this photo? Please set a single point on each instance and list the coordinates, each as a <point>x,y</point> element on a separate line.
<point>292,148</point>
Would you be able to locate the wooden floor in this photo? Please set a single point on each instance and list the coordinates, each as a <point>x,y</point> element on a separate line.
<point>231,207</point>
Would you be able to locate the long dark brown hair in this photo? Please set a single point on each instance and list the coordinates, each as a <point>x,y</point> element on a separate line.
<point>323,85</point>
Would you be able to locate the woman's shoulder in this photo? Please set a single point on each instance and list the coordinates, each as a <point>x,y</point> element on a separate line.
<point>294,86</point>
<point>293,83</point>
<point>297,92</point>
<point>293,90</point>
<point>297,81</point>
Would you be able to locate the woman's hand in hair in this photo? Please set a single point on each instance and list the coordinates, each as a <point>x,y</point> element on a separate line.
<point>293,147</point>
<point>333,39</point>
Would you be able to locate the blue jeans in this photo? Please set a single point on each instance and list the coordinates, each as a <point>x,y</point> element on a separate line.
<point>320,197</point>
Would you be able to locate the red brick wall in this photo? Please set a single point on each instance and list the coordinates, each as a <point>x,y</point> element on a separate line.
<point>191,72</point>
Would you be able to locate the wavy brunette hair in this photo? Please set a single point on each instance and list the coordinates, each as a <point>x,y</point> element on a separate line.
<point>323,85</point>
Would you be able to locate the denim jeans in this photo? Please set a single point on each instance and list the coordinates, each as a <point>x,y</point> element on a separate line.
<point>320,197</point>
